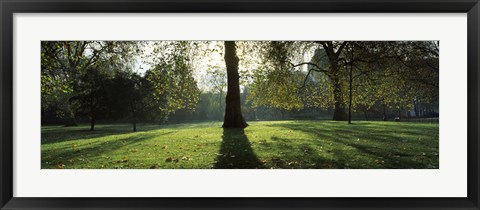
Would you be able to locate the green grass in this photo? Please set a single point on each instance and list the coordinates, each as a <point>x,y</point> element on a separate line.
<point>269,144</point>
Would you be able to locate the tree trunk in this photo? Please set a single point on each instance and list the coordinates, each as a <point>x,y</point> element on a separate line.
<point>92,115</point>
<point>350,105</point>
<point>133,107</point>
<point>233,112</point>
<point>350,80</point>
<point>92,122</point>
<point>339,113</point>
<point>134,118</point>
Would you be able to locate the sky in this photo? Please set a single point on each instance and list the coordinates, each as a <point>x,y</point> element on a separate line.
<point>200,66</point>
<point>203,63</point>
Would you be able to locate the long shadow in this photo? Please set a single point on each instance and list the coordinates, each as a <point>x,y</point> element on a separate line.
<point>383,142</point>
<point>54,134</point>
<point>94,151</point>
<point>236,151</point>
<point>292,156</point>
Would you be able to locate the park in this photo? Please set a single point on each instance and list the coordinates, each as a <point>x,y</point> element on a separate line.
<point>240,105</point>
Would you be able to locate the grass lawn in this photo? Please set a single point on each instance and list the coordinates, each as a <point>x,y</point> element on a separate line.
<point>267,144</point>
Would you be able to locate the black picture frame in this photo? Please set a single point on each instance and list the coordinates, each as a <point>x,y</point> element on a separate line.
<point>9,7</point>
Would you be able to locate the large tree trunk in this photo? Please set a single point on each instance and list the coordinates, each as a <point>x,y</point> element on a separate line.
<point>339,113</point>
<point>233,112</point>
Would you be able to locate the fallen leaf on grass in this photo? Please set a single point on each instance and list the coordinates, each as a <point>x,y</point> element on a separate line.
<point>154,166</point>
<point>123,160</point>
<point>292,163</point>
<point>60,166</point>
<point>170,159</point>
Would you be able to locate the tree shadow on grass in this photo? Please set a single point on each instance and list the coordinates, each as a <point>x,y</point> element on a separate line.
<point>56,134</point>
<point>94,152</point>
<point>371,145</point>
<point>236,151</point>
<point>290,155</point>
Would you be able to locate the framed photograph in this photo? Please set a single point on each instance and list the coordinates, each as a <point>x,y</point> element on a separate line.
<point>239,104</point>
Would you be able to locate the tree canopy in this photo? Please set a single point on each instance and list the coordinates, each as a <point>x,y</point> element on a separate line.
<point>172,81</point>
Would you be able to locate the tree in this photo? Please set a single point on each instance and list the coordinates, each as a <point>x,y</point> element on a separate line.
<point>64,63</point>
<point>128,96</point>
<point>393,74</point>
<point>340,75</point>
<point>92,93</point>
<point>233,112</point>
<point>61,64</point>
<point>172,78</point>
<point>274,79</point>
<point>217,78</point>
<point>333,50</point>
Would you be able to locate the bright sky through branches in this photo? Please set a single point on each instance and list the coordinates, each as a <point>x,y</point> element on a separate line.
<point>249,62</point>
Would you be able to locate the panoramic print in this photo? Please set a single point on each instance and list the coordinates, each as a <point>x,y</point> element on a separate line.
<point>240,104</point>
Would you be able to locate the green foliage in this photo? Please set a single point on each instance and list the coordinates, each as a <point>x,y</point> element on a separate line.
<point>395,74</point>
<point>91,94</point>
<point>183,76</point>
<point>318,90</point>
<point>392,74</point>
<point>275,83</point>
<point>172,79</point>
<point>64,64</point>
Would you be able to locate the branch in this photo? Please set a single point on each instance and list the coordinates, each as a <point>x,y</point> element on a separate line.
<point>341,48</point>
<point>305,80</point>
<point>306,77</point>
<point>319,69</point>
